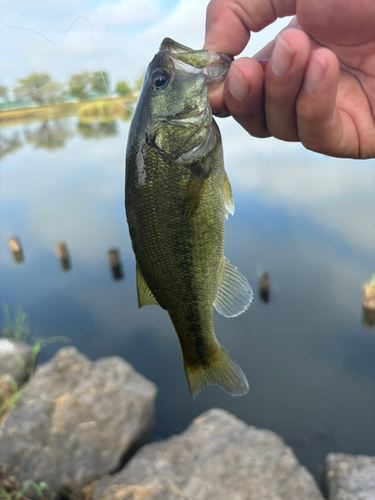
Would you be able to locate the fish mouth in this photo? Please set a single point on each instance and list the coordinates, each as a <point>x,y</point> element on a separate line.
<point>173,46</point>
<point>213,65</point>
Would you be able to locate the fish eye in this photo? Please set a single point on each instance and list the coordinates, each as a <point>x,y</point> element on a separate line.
<point>160,79</point>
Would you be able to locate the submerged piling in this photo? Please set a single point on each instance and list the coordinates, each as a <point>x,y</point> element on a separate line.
<point>64,256</point>
<point>16,248</point>
<point>115,262</point>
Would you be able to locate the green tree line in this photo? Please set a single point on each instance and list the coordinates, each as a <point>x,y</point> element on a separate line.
<point>41,89</point>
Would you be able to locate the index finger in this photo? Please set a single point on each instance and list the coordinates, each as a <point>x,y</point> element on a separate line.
<point>229,22</point>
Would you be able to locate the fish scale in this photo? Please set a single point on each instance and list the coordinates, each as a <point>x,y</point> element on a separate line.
<point>175,196</point>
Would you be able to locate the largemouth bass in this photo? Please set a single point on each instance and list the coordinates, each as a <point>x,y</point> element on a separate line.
<point>177,195</point>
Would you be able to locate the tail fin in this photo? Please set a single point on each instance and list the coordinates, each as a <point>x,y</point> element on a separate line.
<point>222,369</point>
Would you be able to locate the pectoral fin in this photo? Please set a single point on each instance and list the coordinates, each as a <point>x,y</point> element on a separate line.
<point>228,196</point>
<point>194,195</point>
<point>234,294</point>
<point>145,296</point>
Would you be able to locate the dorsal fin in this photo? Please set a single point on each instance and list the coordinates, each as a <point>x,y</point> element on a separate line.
<point>234,294</point>
<point>228,196</point>
<point>145,296</point>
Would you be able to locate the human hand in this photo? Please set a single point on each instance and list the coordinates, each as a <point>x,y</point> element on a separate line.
<point>315,83</point>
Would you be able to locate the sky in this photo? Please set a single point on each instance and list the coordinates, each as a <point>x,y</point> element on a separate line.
<point>125,35</point>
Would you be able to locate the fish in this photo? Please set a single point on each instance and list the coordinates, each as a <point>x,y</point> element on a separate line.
<point>177,196</point>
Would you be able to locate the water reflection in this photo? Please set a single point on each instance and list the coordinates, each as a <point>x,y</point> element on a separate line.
<point>15,246</point>
<point>49,135</point>
<point>9,144</point>
<point>97,130</point>
<point>64,256</point>
<point>310,361</point>
<point>368,317</point>
<point>368,313</point>
<point>55,134</point>
<point>116,265</point>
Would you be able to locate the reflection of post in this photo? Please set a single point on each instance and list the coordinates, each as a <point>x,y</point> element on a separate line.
<point>63,253</point>
<point>264,287</point>
<point>116,266</point>
<point>368,315</point>
<point>15,246</point>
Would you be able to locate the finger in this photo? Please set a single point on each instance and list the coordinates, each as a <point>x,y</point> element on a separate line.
<point>283,81</point>
<point>243,94</point>
<point>216,100</point>
<point>229,22</point>
<point>222,22</point>
<point>264,54</point>
<point>321,126</point>
<point>340,23</point>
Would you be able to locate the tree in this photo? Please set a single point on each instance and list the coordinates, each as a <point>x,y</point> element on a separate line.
<point>36,86</point>
<point>122,88</point>
<point>97,82</point>
<point>80,84</point>
<point>51,91</point>
<point>4,92</point>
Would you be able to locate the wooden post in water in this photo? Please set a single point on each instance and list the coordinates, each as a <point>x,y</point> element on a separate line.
<point>368,314</point>
<point>115,262</point>
<point>264,287</point>
<point>63,253</point>
<point>15,246</point>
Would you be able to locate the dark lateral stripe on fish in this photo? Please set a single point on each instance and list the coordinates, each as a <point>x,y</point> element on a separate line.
<point>197,337</point>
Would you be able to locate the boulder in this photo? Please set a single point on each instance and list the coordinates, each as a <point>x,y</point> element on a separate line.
<point>217,458</point>
<point>7,390</point>
<point>350,477</point>
<point>76,421</point>
<point>15,359</point>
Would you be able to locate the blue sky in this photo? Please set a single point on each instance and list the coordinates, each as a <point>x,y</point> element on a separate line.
<point>127,35</point>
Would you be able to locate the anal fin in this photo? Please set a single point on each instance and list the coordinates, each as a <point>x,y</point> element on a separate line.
<point>145,296</point>
<point>234,294</point>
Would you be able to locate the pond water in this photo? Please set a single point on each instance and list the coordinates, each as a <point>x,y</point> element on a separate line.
<point>306,219</point>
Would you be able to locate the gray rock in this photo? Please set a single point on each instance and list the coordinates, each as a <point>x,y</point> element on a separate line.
<point>217,458</point>
<point>15,359</point>
<point>76,420</point>
<point>350,477</point>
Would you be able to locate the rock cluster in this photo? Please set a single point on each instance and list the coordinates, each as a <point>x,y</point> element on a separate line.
<point>218,457</point>
<point>76,420</point>
<point>79,421</point>
<point>350,477</point>
<point>15,359</point>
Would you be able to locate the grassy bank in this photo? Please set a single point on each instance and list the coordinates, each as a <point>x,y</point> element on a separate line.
<point>87,111</point>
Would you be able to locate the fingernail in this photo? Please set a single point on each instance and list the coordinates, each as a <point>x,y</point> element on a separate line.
<point>237,85</point>
<point>314,74</point>
<point>282,57</point>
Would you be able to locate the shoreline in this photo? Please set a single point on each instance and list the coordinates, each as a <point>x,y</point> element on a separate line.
<point>95,108</point>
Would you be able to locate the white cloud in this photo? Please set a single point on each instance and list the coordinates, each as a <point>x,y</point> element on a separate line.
<point>338,193</point>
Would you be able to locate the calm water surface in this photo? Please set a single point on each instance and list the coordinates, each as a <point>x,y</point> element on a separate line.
<point>306,219</point>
